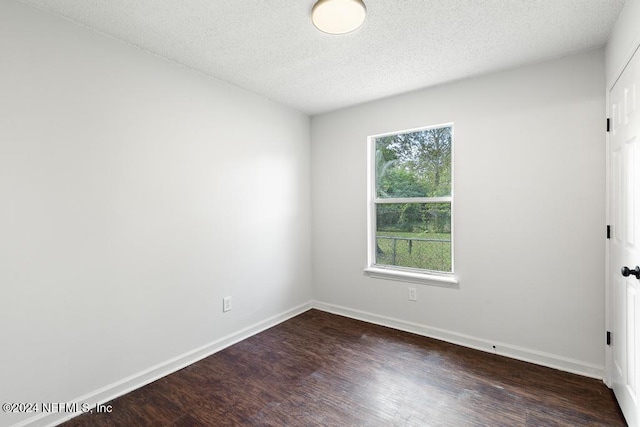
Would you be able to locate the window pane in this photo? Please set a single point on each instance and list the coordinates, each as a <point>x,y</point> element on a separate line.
<point>416,164</point>
<point>416,235</point>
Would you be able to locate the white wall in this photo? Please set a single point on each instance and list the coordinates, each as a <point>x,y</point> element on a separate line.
<point>134,195</point>
<point>529,156</point>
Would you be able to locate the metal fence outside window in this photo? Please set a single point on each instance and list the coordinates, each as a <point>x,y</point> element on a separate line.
<point>414,252</point>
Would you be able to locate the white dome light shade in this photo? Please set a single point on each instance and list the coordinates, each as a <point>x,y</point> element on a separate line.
<point>338,16</point>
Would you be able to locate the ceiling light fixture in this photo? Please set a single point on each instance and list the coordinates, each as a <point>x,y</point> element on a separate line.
<point>338,16</point>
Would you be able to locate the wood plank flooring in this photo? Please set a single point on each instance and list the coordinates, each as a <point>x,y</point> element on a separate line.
<point>319,369</point>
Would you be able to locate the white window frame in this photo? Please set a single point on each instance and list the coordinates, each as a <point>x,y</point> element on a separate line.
<point>398,273</point>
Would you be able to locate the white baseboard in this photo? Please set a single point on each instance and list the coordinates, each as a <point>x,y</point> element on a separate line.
<point>140,379</point>
<point>515,352</point>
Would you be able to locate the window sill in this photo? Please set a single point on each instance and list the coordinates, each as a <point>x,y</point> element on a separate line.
<point>442,280</point>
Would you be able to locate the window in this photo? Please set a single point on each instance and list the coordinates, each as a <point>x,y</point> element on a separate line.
<point>410,205</point>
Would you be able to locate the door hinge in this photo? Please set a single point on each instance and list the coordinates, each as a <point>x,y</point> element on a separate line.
<point>608,337</point>
<point>608,124</point>
<point>608,231</point>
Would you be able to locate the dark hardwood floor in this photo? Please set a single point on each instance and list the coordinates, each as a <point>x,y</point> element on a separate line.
<point>319,369</point>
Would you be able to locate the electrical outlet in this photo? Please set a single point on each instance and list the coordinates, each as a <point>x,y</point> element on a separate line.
<point>226,304</point>
<point>413,294</point>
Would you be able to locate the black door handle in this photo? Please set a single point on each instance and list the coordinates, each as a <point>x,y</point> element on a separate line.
<point>626,272</point>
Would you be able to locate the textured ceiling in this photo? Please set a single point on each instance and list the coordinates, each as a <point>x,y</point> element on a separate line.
<point>270,47</point>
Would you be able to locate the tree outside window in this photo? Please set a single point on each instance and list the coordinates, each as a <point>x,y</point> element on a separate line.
<point>412,200</point>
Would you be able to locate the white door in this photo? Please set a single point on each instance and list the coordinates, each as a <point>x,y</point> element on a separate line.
<point>624,213</point>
